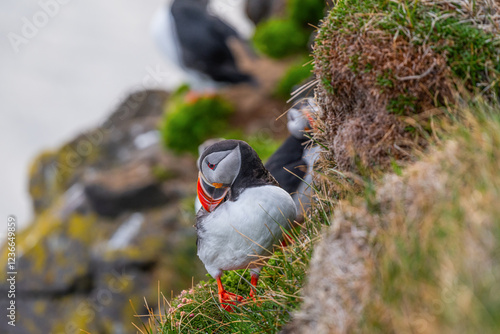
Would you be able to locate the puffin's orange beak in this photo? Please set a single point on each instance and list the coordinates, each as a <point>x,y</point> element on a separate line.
<point>311,120</point>
<point>210,196</point>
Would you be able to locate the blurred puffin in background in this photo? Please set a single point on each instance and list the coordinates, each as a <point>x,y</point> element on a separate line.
<point>197,42</point>
<point>292,163</point>
<point>259,10</point>
<point>244,213</point>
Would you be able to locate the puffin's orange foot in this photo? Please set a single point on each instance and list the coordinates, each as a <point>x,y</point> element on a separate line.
<point>253,287</point>
<point>227,299</point>
<point>252,298</point>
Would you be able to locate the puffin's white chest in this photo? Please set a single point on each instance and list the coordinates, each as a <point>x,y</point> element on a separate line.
<point>303,196</point>
<point>232,235</point>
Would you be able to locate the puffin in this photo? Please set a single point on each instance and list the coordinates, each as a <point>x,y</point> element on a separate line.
<point>244,213</point>
<point>197,42</point>
<point>292,163</point>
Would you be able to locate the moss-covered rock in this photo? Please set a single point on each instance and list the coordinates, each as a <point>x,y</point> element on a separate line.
<point>78,269</point>
<point>379,60</point>
<point>418,251</point>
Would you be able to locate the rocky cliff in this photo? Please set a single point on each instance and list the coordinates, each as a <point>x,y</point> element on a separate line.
<point>111,222</point>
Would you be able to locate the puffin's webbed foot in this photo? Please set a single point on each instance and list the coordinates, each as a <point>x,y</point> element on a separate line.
<point>226,298</point>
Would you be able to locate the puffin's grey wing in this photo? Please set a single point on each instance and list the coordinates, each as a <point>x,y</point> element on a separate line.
<point>203,42</point>
<point>289,156</point>
<point>200,217</point>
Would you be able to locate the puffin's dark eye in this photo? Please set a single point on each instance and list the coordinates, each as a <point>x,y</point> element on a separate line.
<point>211,166</point>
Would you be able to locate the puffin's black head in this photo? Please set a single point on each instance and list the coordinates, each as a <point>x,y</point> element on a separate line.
<point>229,165</point>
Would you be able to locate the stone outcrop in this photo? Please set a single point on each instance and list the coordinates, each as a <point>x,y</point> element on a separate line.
<point>108,227</point>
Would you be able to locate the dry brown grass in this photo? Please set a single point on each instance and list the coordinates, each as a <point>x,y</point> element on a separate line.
<point>420,252</point>
<point>337,286</point>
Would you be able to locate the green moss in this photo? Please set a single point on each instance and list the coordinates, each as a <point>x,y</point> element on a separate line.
<point>294,76</point>
<point>188,124</point>
<point>471,53</point>
<point>278,38</point>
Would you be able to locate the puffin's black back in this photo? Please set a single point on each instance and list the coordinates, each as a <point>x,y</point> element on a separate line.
<point>203,39</point>
<point>287,160</point>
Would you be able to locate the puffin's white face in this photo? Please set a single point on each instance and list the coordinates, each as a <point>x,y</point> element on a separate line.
<point>297,123</point>
<point>301,117</point>
<point>218,170</point>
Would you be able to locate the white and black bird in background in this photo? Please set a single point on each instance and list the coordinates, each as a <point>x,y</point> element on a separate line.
<point>244,215</point>
<point>292,163</point>
<point>197,42</point>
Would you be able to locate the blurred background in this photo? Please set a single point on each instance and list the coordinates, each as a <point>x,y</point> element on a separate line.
<point>98,169</point>
<point>70,73</point>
